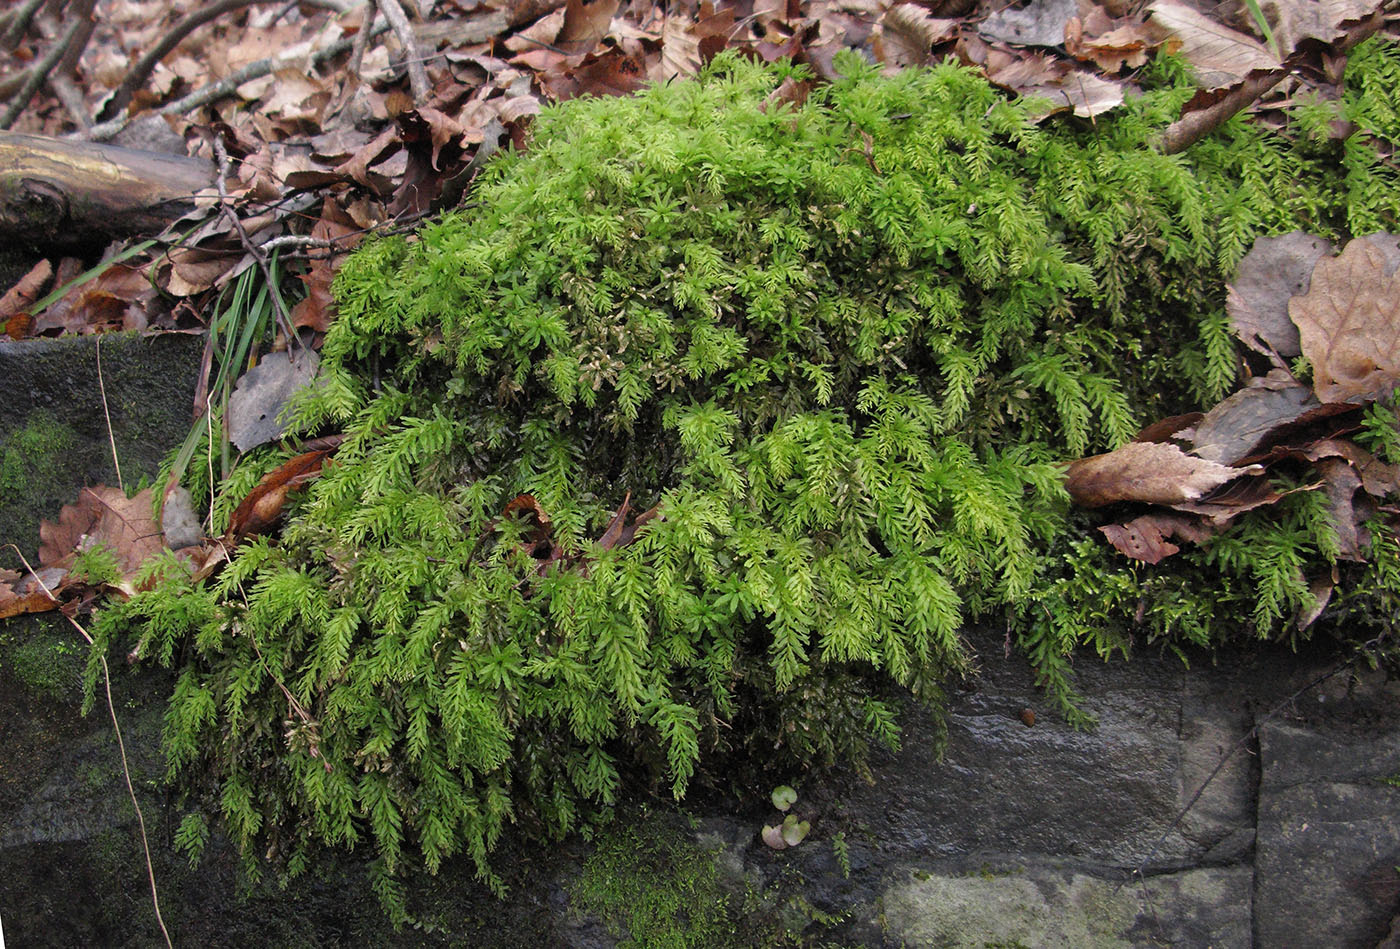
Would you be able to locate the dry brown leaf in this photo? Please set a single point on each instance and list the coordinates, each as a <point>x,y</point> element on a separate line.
<point>1219,55</point>
<point>1349,324</point>
<point>1275,270</point>
<point>22,593</point>
<point>1150,472</point>
<point>680,50</point>
<point>106,517</point>
<point>15,304</point>
<point>116,299</point>
<point>193,269</point>
<point>1377,478</point>
<point>1108,43</point>
<point>255,408</point>
<point>1147,538</point>
<point>1233,429</point>
<point>1166,429</point>
<point>584,25</point>
<point>1054,81</point>
<point>260,511</point>
<point>906,34</point>
<point>1321,589</point>
<point>1229,501</point>
<point>792,92</point>
<point>1296,20</point>
<point>1038,23</point>
<point>1344,509</point>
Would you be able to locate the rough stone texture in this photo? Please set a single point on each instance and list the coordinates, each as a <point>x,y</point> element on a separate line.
<point>1030,836</point>
<point>1329,818</point>
<point>1066,910</point>
<point>150,394</point>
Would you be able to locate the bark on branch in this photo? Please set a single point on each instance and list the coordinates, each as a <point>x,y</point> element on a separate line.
<point>62,193</point>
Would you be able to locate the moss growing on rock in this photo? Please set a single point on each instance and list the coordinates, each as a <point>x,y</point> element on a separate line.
<point>839,347</point>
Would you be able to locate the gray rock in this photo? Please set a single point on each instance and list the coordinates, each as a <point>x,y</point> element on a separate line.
<point>1067,910</point>
<point>1329,837</point>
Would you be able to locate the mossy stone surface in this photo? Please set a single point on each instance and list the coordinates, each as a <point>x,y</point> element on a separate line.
<point>54,437</point>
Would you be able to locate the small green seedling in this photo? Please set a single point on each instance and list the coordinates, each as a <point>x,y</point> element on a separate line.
<point>784,797</point>
<point>788,834</point>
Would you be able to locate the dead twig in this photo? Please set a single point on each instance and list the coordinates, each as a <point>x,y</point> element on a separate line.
<point>141,71</point>
<point>224,87</point>
<point>259,255</point>
<point>413,57</point>
<point>1194,126</point>
<point>76,36</point>
<point>61,80</point>
<point>17,24</point>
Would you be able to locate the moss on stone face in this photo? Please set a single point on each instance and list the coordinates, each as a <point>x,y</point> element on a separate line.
<point>49,662</point>
<point>654,889</point>
<point>841,347</point>
<point>32,453</point>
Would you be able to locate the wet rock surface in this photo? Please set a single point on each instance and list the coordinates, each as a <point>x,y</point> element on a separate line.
<point>1017,835</point>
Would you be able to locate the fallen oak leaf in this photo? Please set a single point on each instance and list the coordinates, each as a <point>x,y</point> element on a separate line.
<point>1150,472</point>
<point>103,516</point>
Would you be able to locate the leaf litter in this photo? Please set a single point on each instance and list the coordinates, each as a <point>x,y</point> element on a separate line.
<point>327,143</point>
<point>1182,480</point>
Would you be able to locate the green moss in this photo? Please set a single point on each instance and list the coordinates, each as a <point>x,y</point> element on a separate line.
<point>654,890</point>
<point>842,349</point>
<point>31,453</point>
<point>48,663</point>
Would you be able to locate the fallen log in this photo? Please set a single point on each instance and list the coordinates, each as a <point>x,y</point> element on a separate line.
<point>58,193</point>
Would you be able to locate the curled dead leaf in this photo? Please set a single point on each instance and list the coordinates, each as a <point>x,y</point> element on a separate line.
<point>15,304</point>
<point>1150,472</point>
<point>260,511</point>
<point>21,593</point>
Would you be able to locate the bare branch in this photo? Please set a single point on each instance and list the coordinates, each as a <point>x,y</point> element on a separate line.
<point>1194,126</point>
<point>18,24</point>
<point>413,57</point>
<point>147,64</point>
<point>79,30</point>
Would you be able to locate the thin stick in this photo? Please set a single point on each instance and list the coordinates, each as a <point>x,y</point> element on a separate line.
<point>260,256</point>
<point>102,388</point>
<point>224,87</point>
<point>80,27</point>
<point>19,25</point>
<point>413,59</point>
<point>121,747</point>
<point>147,64</point>
<point>357,58</point>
